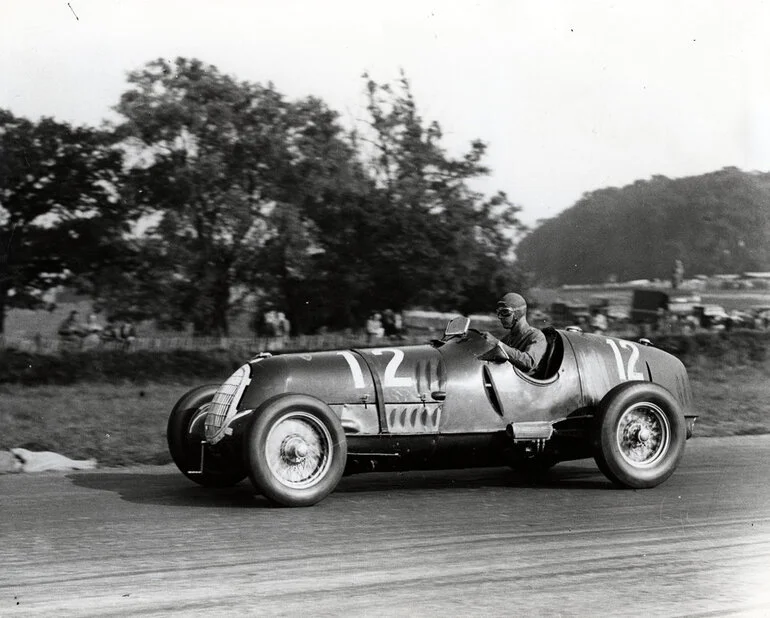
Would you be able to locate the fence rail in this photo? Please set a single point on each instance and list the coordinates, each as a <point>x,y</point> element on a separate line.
<point>245,345</point>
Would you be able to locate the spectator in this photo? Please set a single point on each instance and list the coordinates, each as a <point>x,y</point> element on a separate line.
<point>110,333</point>
<point>598,322</point>
<point>282,328</point>
<point>71,331</point>
<point>389,323</point>
<point>374,329</point>
<point>127,334</point>
<point>399,323</point>
<point>283,325</point>
<point>93,331</point>
<point>266,324</point>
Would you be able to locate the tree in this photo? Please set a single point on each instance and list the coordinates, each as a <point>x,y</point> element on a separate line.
<point>437,242</point>
<point>60,216</point>
<point>309,262</point>
<point>386,219</point>
<point>714,223</point>
<point>226,169</point>
<point>252,194</point>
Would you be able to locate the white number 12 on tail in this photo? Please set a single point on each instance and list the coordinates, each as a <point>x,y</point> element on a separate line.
<point>629,371</point>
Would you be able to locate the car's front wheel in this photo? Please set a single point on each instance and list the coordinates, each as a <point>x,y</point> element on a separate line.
<point>639,435</point>
<point>296,450</point>
<point>185,436</point>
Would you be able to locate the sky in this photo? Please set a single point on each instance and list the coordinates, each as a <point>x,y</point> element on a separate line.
<point>570,95</point>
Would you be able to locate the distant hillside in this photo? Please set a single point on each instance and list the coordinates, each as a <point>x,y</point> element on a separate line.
<point>715,223</point>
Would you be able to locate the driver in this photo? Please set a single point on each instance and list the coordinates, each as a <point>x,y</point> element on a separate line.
<point>525,345</point>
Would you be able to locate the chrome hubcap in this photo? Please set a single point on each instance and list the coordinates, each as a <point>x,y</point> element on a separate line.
<point>294,449</point>
<point>643,434</point>
<point>298,450</point>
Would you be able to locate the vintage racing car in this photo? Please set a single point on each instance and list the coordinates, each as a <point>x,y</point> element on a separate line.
<point>295,423</point>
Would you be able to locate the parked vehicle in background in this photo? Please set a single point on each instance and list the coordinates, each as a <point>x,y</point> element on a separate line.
<point>711,316</point>
<point>648,306</point>
<point>569,313</point>
<point>740,320</point>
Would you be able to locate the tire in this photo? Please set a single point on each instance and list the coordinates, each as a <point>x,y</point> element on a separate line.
<point>184,443</point>
<point>639,435</point>
<point>295,450</point>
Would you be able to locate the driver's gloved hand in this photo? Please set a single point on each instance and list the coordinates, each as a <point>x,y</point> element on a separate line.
<point>489,337</point>
<point>495,354</point>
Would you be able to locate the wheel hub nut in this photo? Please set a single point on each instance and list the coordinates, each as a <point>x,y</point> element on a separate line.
<point>295,449</point>
<point>644,434</point>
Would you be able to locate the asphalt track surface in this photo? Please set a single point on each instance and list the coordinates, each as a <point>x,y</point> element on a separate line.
<point>146,541</point>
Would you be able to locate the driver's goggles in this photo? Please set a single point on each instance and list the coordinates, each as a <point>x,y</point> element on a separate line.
<point>504,312</point>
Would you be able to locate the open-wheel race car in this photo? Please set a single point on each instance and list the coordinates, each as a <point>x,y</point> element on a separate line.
<point>295,423</point>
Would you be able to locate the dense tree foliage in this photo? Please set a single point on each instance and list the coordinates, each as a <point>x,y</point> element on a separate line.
<point>220,166</point>
<point>251,194</point>
<point>60,216</point>
<point>437,242</point>
<point>400,227</point>
<point>714,223</point>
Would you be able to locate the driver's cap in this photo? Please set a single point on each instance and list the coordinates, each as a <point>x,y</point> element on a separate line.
<point>512,300</point>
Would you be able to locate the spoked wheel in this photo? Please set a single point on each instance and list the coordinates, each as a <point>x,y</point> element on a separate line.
<point>185,434</point>
<point>639,435</point>
<point>296,450</point>
<point>643,434</point>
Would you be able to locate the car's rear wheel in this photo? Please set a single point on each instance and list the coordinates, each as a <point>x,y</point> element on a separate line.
<point>296,450</point>
<point>639,435</point>
<point>185,436</point>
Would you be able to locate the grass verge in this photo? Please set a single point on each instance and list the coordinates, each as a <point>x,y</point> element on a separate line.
<point>731,401</point>
<point>119,425</point>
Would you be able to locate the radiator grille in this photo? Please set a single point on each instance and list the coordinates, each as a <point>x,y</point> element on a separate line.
<point>225,403</point>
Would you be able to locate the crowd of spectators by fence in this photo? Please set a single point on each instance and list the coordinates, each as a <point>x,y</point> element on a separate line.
<point>76,335</point>
<point>384,327</point>
<point>388,325</point>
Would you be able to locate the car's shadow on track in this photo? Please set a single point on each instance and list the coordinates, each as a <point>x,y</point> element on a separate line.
<point>173,489</point>
<point>170,489</point>
<point>560,477</point>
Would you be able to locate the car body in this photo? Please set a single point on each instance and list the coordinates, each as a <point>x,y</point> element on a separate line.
<point>296,422</point>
